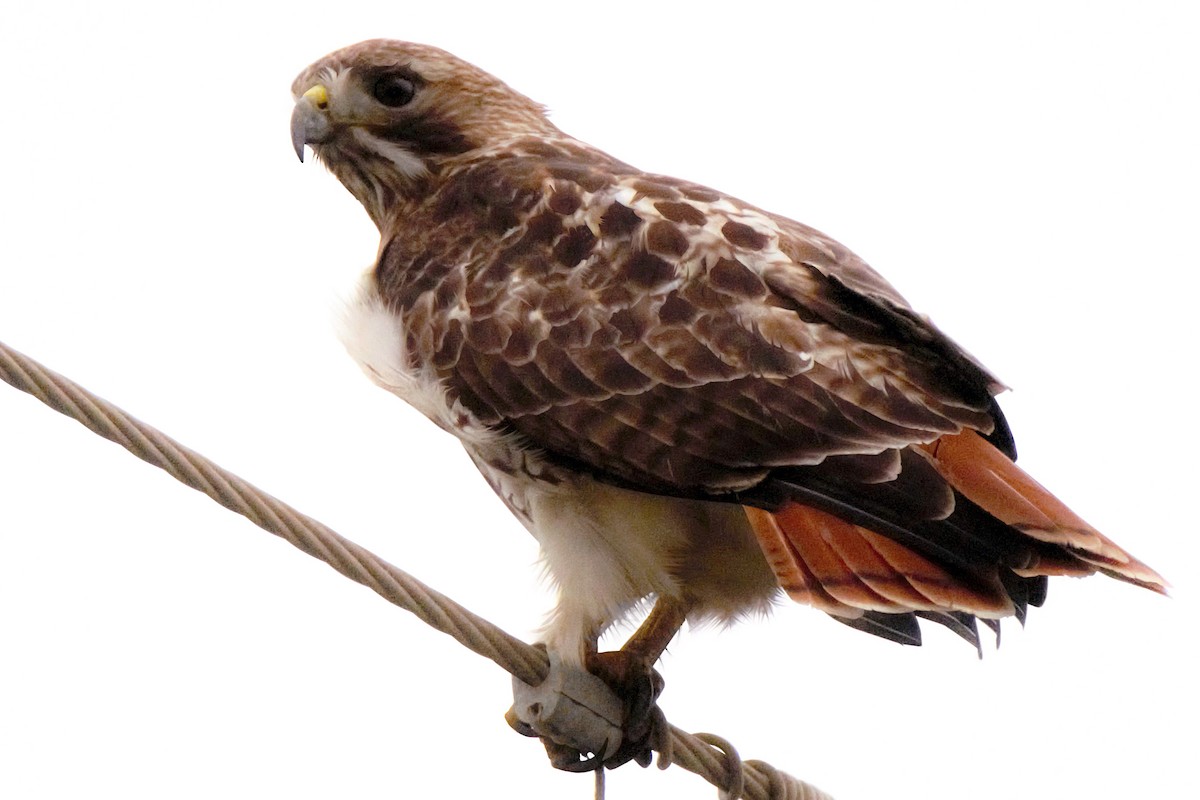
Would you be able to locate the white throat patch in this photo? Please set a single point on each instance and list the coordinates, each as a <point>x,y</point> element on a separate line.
<point>406,163</point>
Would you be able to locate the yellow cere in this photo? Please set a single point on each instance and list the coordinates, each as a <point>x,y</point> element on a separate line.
<point>319,95</point>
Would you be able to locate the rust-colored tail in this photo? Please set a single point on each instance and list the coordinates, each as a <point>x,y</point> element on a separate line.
<point>845,569</point>
<point>990,480</point>
<point>857,553</point>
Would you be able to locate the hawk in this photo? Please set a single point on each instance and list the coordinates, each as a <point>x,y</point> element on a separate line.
<point>683,397</point>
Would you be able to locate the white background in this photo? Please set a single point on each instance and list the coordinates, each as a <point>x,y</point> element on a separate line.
<point>1026,173</point>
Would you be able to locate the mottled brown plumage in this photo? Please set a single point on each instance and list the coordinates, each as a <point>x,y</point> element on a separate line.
<point>681,395</point>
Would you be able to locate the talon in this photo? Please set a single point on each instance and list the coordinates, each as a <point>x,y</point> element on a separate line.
<point>579,715</point>
<point>517,724</point>
<point>568,759</point>
<point>639,685</point>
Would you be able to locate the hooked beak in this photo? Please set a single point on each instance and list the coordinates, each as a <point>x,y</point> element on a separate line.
<point>310,119</point>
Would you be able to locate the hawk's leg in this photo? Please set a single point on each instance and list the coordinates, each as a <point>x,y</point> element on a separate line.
<point>631,674</point>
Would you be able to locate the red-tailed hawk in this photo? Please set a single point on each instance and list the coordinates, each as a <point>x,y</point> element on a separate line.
<point>682,396</point>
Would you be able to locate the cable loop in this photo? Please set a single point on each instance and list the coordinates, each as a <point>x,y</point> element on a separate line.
<point>736,783</point>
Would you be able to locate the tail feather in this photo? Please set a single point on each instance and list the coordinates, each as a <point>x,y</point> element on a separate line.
<point>792,573</point>
<point>952,532</point>
<point>845,569</point>
<point>844,564</point>
<point>878,564</point>
<point>988,478</point>
<point>984,596</point>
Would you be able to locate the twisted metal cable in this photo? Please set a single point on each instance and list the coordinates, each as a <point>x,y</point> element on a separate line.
<point>708,756</point>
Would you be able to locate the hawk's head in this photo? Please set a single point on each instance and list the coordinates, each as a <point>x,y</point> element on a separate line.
<point>385,115</point>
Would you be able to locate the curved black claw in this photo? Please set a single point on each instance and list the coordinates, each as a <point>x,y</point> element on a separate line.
<point>568,759</point>
<point>561,756</point>
<point>639,685</point>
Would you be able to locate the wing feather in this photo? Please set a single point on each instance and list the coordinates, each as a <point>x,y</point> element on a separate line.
<point>553,334</point>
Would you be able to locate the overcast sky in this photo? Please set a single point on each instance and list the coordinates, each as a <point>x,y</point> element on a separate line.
<point>1025,173</point>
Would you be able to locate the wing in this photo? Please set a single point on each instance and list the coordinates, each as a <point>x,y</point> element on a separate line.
<point>667,338</point>
<point>661,335</point>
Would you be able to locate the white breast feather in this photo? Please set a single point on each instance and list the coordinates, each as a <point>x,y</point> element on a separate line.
<point>375,338</point>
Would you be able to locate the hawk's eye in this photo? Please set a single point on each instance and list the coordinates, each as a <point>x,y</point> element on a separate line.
<point>393,90</point>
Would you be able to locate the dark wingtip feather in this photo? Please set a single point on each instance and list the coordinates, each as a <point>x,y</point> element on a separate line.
<point>994,624</point>
<point>959,622</point>
<point>1024,591</point>
<point>1038,587</point>
<point>905,628</point>
<point>902,628</point>
<point>1001,436</point>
